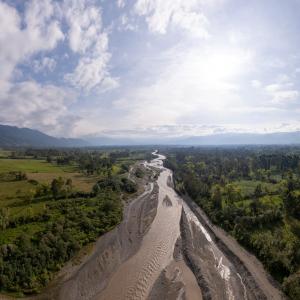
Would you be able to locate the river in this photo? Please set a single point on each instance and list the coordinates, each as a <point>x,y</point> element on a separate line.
<point>165,248</point>
<point>136,276</point>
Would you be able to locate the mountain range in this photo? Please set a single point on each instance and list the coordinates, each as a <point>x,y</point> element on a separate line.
<point>11,136</point>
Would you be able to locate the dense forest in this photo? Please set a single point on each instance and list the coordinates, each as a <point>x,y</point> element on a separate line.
<point>45,221</point>
<point>254,194</point>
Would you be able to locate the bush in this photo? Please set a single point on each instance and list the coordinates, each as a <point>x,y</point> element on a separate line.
<point>291,286</point>
<point>139,173</point>
<point>128,186</point>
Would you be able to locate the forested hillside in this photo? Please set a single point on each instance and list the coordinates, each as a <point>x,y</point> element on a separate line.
<point>254,194</point>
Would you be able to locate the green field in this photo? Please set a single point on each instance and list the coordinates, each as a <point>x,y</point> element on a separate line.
<point>32,166</point>
<point>247,187</point>
<point>13,189</point>
<point>15,195</point>
<point>11,234</point>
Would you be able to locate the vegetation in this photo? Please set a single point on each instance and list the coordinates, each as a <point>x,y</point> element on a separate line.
<point>254,194</point>
<point>52,203</point>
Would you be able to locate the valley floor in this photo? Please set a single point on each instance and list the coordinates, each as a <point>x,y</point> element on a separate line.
<point>165,248</point>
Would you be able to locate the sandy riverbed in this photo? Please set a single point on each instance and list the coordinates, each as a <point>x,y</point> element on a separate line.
<point>165,248</point>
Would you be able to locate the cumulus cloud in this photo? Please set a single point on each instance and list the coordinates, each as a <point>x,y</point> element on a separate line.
<point>39,30</point>
<point>198,66</point>
<point>121,3</point>
<point>90,72</point>
<point>21,38</point>
<point>85,26</point>
<point>282,91</point>
<point>39,106</point>
<point>88,38</point>
<point>29,103</point>
<point>127,24</point>
<point>184,14</point>
<point>44,64</point>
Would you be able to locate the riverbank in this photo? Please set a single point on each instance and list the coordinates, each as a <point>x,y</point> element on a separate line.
<point>255,277</point>
<point>165,248</point>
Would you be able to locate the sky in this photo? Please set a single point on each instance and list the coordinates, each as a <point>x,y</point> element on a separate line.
<point>150,68</point>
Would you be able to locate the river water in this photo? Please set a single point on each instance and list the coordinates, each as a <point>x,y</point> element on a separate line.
<point>136,276</point>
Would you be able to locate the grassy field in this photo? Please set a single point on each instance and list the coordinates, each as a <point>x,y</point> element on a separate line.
<point>10,235</point>
<point>13,189</point>
<point>43,172</point>
<point>32,166</point>
<point>247,187</point>
<point>13,194</point>
<point>80,181</point>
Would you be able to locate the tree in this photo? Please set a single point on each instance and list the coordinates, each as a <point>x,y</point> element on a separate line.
<point>139,173</point>
<point>56,186</point>
<point>291,286</point>
<point>4,217</point>
<point>291,198</point>
<point>30,195</point>
<point>69,187</point>
<point>232,194</point>
<point>258,191</point>
<point>217,198</point>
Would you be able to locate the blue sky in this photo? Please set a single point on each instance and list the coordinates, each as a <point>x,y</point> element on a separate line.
<point>148,68</point>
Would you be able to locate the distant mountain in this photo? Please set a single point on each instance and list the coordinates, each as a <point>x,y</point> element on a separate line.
<point>279,138</point>
<point>11,136</point>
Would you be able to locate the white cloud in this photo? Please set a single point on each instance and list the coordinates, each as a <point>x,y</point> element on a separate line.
<point>88,38</point>
<point>108,84</point>
<point>194,84</point>
<point>184,14</point>
<point>256,83</point>
<point>193,22</point>
<point>85,26</point>
<point>29,103</point>
<point>127,24</point>
<point>121,3</point>
<point>44,64</point>
<point>282,91</point>
<point>21,38</point>
<point>283,78</point>
<point>38,106</point>
<point>283,96</point>
<point>90,72</point>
